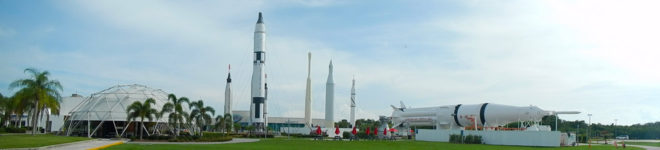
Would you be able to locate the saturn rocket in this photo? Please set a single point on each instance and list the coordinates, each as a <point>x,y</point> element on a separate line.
<point>468,115</point>
<point>330,99</point>
<point>258,87</point>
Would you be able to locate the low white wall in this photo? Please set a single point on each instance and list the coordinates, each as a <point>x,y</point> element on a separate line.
<point>293,130</point>
<point>522,138</point>
<point>305,131</point>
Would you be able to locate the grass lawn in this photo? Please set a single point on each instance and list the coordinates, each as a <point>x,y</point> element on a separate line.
<point>656,144</point>
<point>306,144</point>
<point>27,140</point>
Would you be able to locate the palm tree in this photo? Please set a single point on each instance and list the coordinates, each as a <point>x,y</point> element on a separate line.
<point>200,114</point>
<point>249,128</point>
<point>223,123</point>
<point>237,127</point>
<point>40,89</point>
<point>5,108</point>
<point>229,122</point>
<point>141,110</point>
<point>219,123</point>
<point>22,101</point>
<point>174,106</point>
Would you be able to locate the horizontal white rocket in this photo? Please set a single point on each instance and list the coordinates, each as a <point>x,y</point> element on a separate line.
<point>456,116</point>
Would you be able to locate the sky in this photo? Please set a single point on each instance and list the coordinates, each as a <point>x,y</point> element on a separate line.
<point>597,57</point>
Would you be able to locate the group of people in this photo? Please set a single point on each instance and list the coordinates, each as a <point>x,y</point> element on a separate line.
<point>353,136</point>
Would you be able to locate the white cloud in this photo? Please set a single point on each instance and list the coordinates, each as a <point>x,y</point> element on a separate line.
<point>515,53</point>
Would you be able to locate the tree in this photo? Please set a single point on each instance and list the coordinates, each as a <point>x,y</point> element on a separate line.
<point>21,102</point>
<point>6,108</point>
<point>229,122</point>
<point>362,124</point>
<point>40,90</point>
<point>343,123</point>
<point>219,123</point>
<point>237,127</point>
<point>200,114</point>
<point>174,106</point>
<point>250,128</point>
<point>141,110</point>
<point>224,123</point>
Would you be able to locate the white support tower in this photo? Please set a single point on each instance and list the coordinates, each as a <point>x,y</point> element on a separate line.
<point>265,101</point>
<point>353,103</point>
<point>330,99</point>
<point>308,92</point>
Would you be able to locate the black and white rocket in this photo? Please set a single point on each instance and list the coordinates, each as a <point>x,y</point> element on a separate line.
<point>258,101</point>
<point>352,117</point>
<point>228,102</point>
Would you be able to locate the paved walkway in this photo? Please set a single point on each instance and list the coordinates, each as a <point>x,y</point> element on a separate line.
<point>81,145</point>
<point>85,145</point>
<point>646,147</point>
<point>235,140</point>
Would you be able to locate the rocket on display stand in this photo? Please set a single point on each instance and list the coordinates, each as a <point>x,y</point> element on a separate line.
<point>258,101</point>
<point>474,116</point>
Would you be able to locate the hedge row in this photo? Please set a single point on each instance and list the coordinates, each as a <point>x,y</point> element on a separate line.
<point>13,130</point>
<point>208,137</point>
<point>469,139</point>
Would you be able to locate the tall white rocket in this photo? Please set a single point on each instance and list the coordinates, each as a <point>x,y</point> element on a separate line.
<point>308,92</point>
<point>257,92</point>
<point>353,103</point>
<point>330,99</point>
<point>228,95</point>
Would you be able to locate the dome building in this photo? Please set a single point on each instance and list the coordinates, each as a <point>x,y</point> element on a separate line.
<point>103,114</point>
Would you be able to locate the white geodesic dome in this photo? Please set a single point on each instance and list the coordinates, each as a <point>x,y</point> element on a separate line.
<point>110,104</point>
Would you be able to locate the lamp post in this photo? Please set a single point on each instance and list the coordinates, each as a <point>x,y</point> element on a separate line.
<point>577,131</point>
<point>615,120</point>
<point>589,130</point>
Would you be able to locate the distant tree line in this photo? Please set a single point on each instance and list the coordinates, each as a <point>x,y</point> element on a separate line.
<point>606,131</point>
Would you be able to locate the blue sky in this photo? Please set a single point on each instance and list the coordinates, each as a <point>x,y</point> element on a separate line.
<point>597,57</point>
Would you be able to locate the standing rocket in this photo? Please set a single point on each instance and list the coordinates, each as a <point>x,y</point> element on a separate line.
<point>353,104</point>
<point>228,95</point>
<point>257,92</point>
<point>329,99</point>
<point>308,93</point>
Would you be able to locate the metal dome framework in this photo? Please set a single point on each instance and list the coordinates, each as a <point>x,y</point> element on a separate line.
<point>110,105</point>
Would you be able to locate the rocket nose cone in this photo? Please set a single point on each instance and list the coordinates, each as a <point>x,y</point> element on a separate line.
<point>260,18</point>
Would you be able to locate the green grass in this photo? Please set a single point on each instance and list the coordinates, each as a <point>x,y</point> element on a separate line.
<point>23,140</point>
<point>305,144</point>
<point>656,144</point>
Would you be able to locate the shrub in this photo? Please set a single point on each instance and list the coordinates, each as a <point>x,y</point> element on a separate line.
<point>469,139</point>
<point>298,135</point>
<point>362,135</point>
<point>157,137</point>
<point>347,134</point>
<point>259,136</point>
<point>455,138</point>
<point>15,130</point>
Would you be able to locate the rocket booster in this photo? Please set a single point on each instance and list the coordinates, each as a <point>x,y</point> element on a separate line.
<point>257,89</point>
